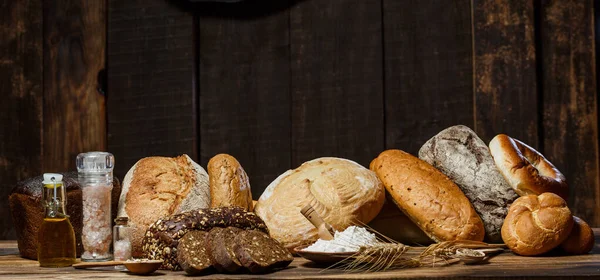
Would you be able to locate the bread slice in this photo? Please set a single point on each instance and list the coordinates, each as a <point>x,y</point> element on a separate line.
<point>219,245</point>
<point>192,255</point>
<point>258,252</point>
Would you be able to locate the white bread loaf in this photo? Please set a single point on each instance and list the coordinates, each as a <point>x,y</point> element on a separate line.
<point>156,187</point>
<point>341,191</point>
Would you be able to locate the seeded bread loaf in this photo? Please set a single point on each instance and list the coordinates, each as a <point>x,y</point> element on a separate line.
<point>192,255</point>
<point>258,252</point>
<point>162,237</point>
<point>219,245</point>
<point>229,184</point>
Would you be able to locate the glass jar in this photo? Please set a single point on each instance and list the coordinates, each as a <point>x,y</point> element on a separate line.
<point>95,177</point>
<point>121,242</point>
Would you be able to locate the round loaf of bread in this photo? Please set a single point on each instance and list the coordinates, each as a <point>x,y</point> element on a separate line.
<point>536,224</point>
<point>156,187</point>
<point>526,170</point>
<point>581,239</point>
<point>339,190</point>
<point>229,184</point>
<point>428,197</point>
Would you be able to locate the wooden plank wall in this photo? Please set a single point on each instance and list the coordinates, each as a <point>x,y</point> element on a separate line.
<point>276,83</point>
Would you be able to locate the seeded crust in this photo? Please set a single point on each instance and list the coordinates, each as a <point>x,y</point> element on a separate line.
<point>162,237</point>
<point>219,245</point>
<point>192,254</point>
<point>259,253</point>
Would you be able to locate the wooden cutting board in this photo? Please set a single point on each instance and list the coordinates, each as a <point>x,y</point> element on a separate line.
<point>503,266</point>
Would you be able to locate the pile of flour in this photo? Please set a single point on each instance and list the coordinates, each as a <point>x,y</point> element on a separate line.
<point>349,240</point>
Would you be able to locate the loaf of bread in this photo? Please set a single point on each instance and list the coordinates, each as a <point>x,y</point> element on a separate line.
<point>394,224</point>
<point>28,213</point>
<point>581,240</point>
<point>459,153</point>
<point>229,184</point>
<point>157,187</point>
<point>537,224</point>
<point>428,197</point>
<point>258,252</point>
<point>162,237</point>
<point>341,191</point>
<point>192,254</point>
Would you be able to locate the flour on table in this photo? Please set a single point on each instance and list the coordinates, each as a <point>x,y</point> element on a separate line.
<point>349,240</point>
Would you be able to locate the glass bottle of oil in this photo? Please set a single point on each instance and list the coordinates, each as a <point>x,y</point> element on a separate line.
<point>56,238</point>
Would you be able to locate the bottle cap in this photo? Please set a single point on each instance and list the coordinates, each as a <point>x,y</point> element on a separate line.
<point>121,220</point>
<point>95,162</point>
<point>52,178</point>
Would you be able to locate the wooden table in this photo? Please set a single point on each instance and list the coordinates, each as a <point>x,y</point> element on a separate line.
<point>504,266</point>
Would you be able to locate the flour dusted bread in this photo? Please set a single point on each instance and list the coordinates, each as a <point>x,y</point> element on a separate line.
<point>157,187</point>
<point>341,191</point>
<point>428,197</point>
<point>229,184</point>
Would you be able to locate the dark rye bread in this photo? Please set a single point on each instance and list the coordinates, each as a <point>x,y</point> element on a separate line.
<point>258,252</point>
<point>192,255</point>
<point>219,245</point>
<point>162,237</point>
<point>28,213</point>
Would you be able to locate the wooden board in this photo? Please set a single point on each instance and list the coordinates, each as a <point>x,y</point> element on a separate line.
<point>428,70</point>
<point>74,105</point>
<point>337,87</point>
<point>569,99</point>
<point>244,89</point>
<point>21,106</point>
<point>151,101</point>
<point>503,266</point>
<point>505,70</point>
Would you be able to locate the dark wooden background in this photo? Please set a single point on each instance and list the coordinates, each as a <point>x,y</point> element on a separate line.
<point>276,82</point>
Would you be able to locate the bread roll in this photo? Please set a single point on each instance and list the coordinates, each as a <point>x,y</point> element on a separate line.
<point>459,153</point>
<point>537,224</point>
<point>157,187</point>
<point>429,198</point>
<point>341,191</point>
<point>581,239</point>
<point>229,184</point>
<point>526,170</point>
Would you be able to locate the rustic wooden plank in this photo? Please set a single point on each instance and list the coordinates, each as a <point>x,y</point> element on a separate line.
<point>74,55</point>
<point>337,87</point>
<point>570,131</point>
<point>244,89</point>
<point>21,106</point>
<point>505,70</point>
<point>428,70</point>
<point>151,98</point>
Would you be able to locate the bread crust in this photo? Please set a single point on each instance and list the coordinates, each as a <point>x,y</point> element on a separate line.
<point>536,224</point>
<point>525,169</point>
<point>581,240</point>
<point>428,197</point>
<point>229,184</point>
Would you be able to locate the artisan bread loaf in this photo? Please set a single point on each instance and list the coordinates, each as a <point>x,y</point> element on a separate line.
<point>428,197</point>
<point>394,224</point>
<point>537,224</point>
<point>258,252</point>
<point>219,245</point>
<point>341,191</point>
<point>459,153</point>
<point>229,184</point>
<point>28,213</point>
<point>581,240</point>
<point>192,253</point>
<point>162,237</point>
<point>157,187</point>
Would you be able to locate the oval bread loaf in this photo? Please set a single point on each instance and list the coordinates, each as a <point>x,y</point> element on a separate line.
<point>229,184</point>
<point>429,198</point>
<point>581,240</point>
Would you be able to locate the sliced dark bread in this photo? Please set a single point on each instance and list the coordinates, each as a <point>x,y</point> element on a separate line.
<point>219,245</point>
<point>192,255</point>
<point>258,252</point>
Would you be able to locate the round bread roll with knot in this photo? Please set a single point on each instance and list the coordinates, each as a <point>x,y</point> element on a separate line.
<point>537,224</point>
<point>525,169</point>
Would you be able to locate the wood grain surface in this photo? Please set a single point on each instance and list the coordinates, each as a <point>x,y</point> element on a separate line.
<point>506,99</point>
<point>21,106</point>
<point>504,266</point>
<point>245,89</point>
<point>337,80</point>
<point>151,106</point>
<point>74,105</point>
<point>428,70</point>
<point>570,100</point>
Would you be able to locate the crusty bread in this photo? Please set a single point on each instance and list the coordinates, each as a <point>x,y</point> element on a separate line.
<point>157,187</point>
<point>581,239</point>
<point>537,224</point>
<point>341,191</point>
<point>429,198</point>
<point>394,224</point>
<point>229,184</point>
<point>525,169</point>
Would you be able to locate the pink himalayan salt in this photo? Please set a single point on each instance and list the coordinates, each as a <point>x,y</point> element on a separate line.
<point>96,231</point>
